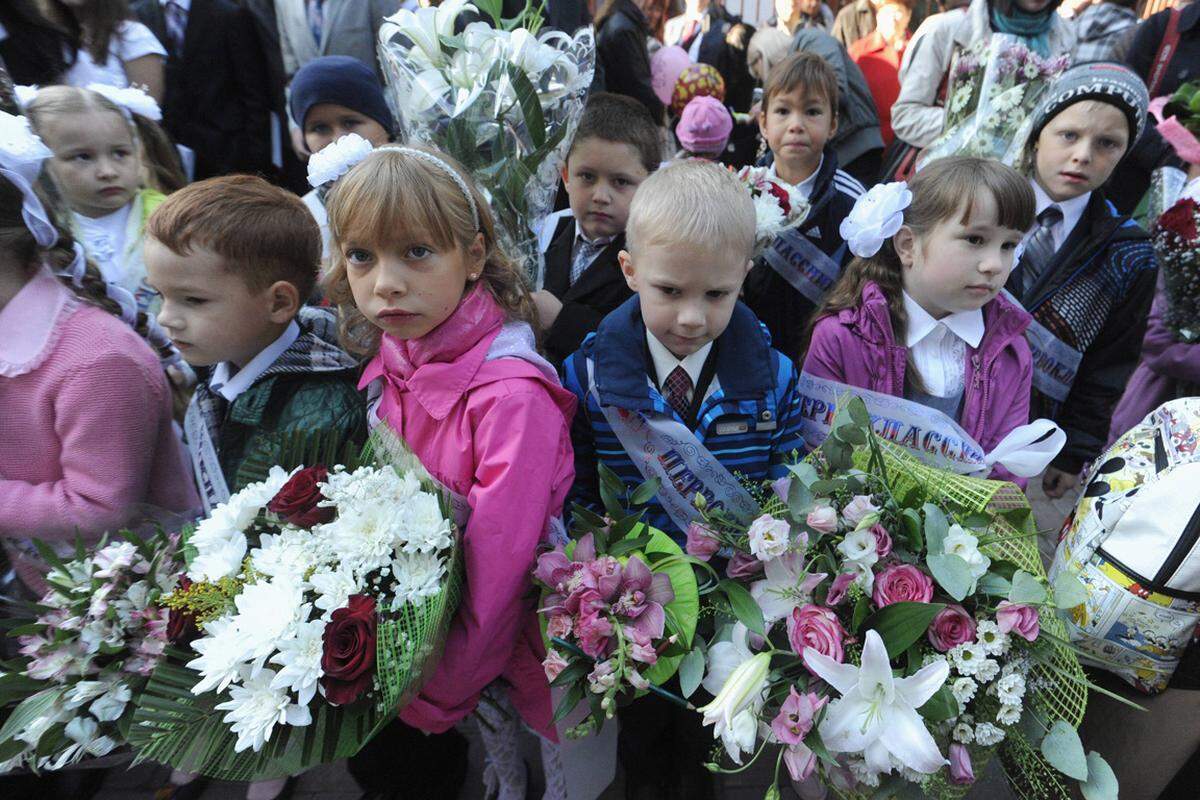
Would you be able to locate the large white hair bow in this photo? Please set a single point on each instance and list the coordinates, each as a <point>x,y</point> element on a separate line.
<point>21,157</point>
<point>875,218</point>
<point>131,99</point>
<point>336,159</point>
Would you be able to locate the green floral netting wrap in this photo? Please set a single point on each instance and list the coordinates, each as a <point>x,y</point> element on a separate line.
<point>1058,688</point>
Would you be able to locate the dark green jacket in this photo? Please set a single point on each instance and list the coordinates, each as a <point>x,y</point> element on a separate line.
<point>311,388</point>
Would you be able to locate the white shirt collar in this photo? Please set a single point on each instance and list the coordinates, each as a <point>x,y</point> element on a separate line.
<point>186,5</point>
<point>665,362</point>
<point>230,387</point>
<point>966,325</point>
<point>1072,211</point>
<point>805,186</point>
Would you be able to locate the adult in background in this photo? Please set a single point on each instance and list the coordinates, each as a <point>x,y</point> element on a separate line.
<point>106,46</point>
<point>1180,63</point>
<point>878,55</point>
<point>217,98</point>
<point>622,32</point>
<point>917,114</point>
<point>700,30</point>
<point>1101,25</point>
<point>854,21</point>
<point>309,29</point>
<point>858,141</point>
<point>33,48</point>
<point>794,15</point>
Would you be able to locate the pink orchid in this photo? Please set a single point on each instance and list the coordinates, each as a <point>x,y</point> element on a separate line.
<point>641,648</point>
<point>651,591</point>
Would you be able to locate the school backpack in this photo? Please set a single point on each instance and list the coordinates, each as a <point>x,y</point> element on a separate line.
<point>1134,542</point>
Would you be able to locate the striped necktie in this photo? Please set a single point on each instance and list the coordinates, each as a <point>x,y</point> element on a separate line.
<point>1040,249</point>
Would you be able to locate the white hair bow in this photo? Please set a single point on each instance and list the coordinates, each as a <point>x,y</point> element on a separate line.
<point>875,218</point>
<point>130,98</point>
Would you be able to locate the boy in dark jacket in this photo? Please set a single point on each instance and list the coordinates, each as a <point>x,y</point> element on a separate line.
<point>1086,272</point>
<point>798,118</point>
<point>687,368</point>
<point>233,259</point>
<point>616,147</point>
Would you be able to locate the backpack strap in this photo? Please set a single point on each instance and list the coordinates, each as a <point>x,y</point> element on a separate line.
<point>1166,51</point>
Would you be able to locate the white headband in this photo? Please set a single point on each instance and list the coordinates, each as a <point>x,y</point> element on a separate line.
<point>336,159</point>
<point>875,218</point>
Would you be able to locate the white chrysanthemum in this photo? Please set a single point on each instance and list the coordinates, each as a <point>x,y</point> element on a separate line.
<point>1011,689</point>
<point>995,641</point>
<point>1008,715</point>
<point>987,734</point>
<point>291,554</point>
<point>333,588</point>
<point>426,529</point>
<point>963,732</point>
<point>266,614</point>
<point>768,216</point>
<point>111,705</point>
<point>255,708</point>
<point>369,485</point>
<point>223,651</point>
<point>417,576</point>
<point>364,537</point>
<point>963,690</point>
<point>966,658</point>
<point>300,659</point>
<point>989,668</point>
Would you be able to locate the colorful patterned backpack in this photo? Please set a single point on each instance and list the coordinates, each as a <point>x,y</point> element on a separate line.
<point>1134,541</point>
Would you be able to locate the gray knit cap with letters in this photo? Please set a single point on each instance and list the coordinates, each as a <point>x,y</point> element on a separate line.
<point>1114,84</point>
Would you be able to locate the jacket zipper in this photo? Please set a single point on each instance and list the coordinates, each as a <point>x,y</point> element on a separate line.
<point>976,383</point>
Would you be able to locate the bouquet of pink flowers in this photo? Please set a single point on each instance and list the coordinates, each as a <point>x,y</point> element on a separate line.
<point>777,205</point>
<point>893,628</point>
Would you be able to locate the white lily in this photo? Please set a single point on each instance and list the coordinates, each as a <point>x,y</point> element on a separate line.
<point>425,28</point>
<point>782,589</point>
<point>725,657</point>
<point>877,712</point>
<point>743,691</point>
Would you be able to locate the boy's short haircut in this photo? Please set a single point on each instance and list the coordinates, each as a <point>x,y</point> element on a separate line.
<point>262,232</point>
<point>802,70</point>
<point>693,202</point>
<point>617,118</point>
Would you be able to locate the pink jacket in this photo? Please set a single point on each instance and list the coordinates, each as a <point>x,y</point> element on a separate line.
<point>858,347</point>
<point>86,437</point>
<point>497,431</point>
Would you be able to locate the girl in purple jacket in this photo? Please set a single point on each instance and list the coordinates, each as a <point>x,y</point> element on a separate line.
<point>918,314</point>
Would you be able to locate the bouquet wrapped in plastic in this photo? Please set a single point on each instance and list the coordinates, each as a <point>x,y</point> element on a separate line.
<point>994,87</point>
<point>86,651</point>
<point>891,629</point>
<point>317,599</point>
<point>502,100</point>
<point>777,205</point>
<point>1177,242</point>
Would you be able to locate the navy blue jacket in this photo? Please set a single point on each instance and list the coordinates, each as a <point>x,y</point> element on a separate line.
<point>757,387</point>
<point>781,308</point>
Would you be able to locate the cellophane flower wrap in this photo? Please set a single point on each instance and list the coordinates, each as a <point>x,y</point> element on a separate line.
<point>502,100</point>
<point>320,598</point>
<point>87,649</point>
<point>618,609</point>
<point>994,87</point>
<point>777,205</point>
<point>1177,242</point>
<point>889,626</point>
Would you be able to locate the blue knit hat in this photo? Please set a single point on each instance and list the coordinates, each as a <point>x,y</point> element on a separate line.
<point>341,80</point>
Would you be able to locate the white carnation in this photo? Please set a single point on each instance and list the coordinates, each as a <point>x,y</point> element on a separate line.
<point>1008,715</point>
<point>987,734</point>
<point>963,732</point>
<point>988,669</point>
<point>963,690</point>
<point>1011,689</point>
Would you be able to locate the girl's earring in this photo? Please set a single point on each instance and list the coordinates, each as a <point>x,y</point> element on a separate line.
<point>473,276</point>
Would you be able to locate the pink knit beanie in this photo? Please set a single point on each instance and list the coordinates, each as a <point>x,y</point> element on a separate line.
<point>704,126</point>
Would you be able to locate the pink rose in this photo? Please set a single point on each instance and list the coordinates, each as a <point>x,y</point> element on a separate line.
<point>701,542</point>
<point>1018,618</point>
<point>553,664</point>
<point>743,565</point>
<point>823,519</point>
<point>883,540</point>
<point>818,628</point>
<point>795,718</point>
<point>837,592</point>
<point>901,583</point>
<point>960,765</point>
<point>951,627</point>
<point>558,626</point>
<point>800,762</point>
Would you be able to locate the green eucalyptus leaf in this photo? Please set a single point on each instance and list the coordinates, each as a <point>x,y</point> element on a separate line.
<point>995,585</point>
<point>937,528</point>
<point>1101,783</point>
<point>857,410</point>
<point>691,672</point>
<point>805,472</point>
<point>1069,591</point>
<point>952,574</point>
<point>1064,751</point>
<point>1027,588</point>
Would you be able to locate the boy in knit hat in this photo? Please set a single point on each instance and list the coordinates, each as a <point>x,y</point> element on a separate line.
<point>1086,272</point>
<point>703,129</point>
<point>331,97</point>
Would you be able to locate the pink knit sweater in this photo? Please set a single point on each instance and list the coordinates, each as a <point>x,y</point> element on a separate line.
<point>86,440</point>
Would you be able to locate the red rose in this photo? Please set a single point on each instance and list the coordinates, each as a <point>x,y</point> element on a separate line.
<point>181,626</point>
<point>1180,219</point>
<point>348,659</point>
<point>297,501</point>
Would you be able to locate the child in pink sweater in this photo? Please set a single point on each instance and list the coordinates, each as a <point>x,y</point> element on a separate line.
<point>86,438</point>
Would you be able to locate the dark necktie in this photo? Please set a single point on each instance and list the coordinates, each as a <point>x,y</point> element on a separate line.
<point>1039,251</point>
<point>677,387</point>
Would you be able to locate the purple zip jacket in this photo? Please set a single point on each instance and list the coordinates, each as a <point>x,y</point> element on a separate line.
<point>857,346</point>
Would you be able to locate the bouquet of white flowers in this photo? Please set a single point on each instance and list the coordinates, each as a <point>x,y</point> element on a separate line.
<point>502,100</point>
<point>995,86</point>
<point>86,651</point>
<point>321,596</point>
<point>777,205</point>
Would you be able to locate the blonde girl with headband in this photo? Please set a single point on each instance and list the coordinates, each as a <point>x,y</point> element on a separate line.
<point>86,433</point>
<point>424,291</point>
<point>97,167</point>
<point>918,313</point>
